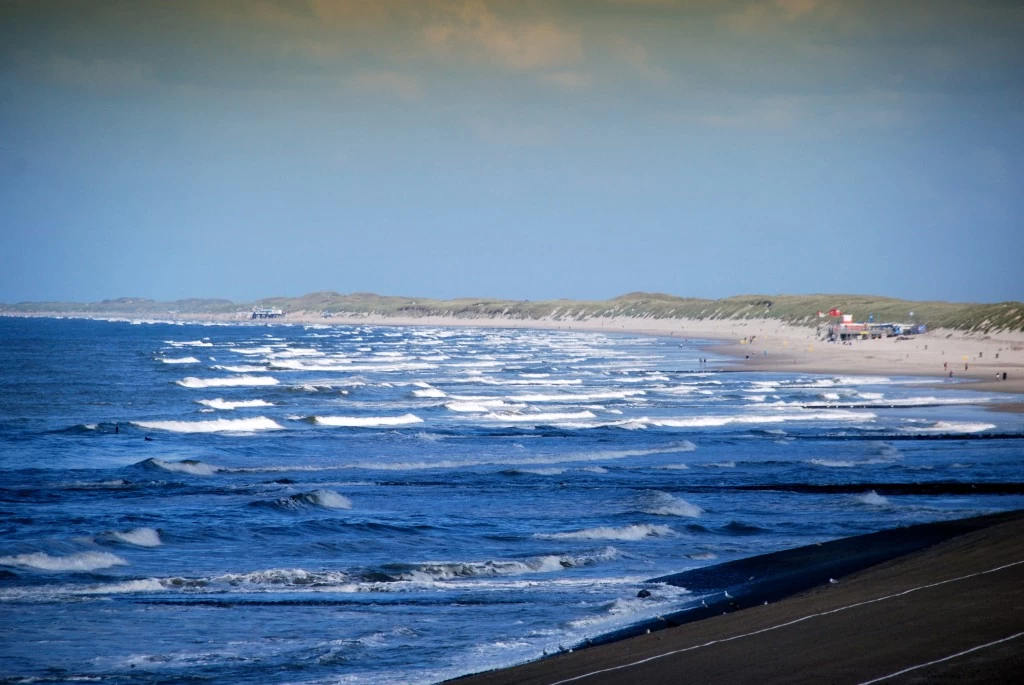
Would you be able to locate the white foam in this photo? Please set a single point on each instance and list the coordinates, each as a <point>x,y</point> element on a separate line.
<point>243,368</point>
<point>140,537</point>
<point>714,421</point>
<point>433,571</point>
<point>189,343</point>
<point>579,397</point>
<point>663,504</point>
<point>179,360</point>
<point>540,418</point>
<point>952,427</point>
<point>220,403</point>
<point>367,421</point>
<point>429,392</point>
<point>190,466</point>
<point>873,498</point>
<point>550,471</point>
<point>633,532</point>
<point>482,406</point>
<point>328,499</point>
<point>81,561</point>
<point>253,350</point>
<point>258,423</point>
<point>231,381</point>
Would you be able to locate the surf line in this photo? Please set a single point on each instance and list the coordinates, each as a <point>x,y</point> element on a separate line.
<point>800,620</point>
<point>945,658</point>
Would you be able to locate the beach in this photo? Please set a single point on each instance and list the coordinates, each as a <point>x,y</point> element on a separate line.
<point>953,612</point>
<point>762,344</point>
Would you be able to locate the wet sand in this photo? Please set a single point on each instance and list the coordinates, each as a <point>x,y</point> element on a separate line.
<point>951,612</point>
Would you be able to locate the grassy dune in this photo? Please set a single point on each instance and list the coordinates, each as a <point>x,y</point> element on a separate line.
<point>794,309</point>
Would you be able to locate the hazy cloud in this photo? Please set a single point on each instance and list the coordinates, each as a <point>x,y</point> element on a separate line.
<point>572,80</point>
<point>389,83</point>
<point>95,74</point>
<point>473,28</point>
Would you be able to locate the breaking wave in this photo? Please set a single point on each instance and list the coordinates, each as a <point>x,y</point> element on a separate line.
<point>189,466</point>
<point>81,561</point>
<point>322,499</point>
<point>540,418</point>
<point>663,504</point>
<point>633,532</point>
<point>450,570</point>
<point>873,498</point>
<point>367,421</point>
<point>258,423</point>
<point>951,427</point>
<point>240,404</point>
<point>230,382</point>
<point>179,360</point>
<point>140,537</point>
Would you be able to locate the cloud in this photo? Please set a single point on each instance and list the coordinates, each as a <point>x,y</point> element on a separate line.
<point>638,57</point>
<point>389,83</point>
<point>763,14</point>
<point>570,80</point>
<point>473,29</point>
<point>96,74</point>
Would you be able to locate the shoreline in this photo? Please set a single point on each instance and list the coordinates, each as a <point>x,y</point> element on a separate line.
<point>848,610</point>
<point>766,345</point>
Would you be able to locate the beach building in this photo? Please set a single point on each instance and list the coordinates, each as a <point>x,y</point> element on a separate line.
<point>266,313</point>
<point>848,329</point>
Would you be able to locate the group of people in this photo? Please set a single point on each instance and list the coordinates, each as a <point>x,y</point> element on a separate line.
<point>1000,376</point>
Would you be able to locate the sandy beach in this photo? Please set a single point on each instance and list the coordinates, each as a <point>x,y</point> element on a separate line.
<point>974,359</point>
<point>949,613</point>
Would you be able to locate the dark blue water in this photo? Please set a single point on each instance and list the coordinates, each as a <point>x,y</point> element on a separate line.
<point>366,504</point>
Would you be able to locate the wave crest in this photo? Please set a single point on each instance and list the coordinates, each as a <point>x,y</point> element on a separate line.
<point>367,421</point>
<point>259,423</point>
<point>81,561</point>
<point>634,532</point>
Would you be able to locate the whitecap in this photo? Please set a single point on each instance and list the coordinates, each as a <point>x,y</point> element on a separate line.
<point>952,427</point>
<point>140,537</point>
<point>633,532</point>
<point>434,571</point>
<point>220,403</point>
<point>325,499</point>
<point>663,504</point>
<point>231,381</point>
<point>81,561</point>
<point>540,418</point>
<point>190,466</point>
<point>367,421</point>
<point>179,360</point>
<point>189,343</point>
<point>257,423</point>
<point>873,498</point>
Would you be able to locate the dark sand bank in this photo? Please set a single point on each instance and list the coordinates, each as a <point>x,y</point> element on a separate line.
<point>926,593</point>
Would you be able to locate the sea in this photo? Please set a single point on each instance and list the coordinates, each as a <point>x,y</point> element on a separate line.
<point>279,503</point>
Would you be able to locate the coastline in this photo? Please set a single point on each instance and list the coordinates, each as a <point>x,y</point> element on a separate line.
<point>767,345</point>
<point>924,599</point>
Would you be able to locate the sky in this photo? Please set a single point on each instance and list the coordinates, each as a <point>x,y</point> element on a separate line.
<point>511,149</point>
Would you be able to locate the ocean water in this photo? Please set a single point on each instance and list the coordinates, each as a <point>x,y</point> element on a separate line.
<point>359,504</point>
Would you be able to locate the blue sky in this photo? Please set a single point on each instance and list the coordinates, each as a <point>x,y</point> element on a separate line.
<point>526,150</point>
